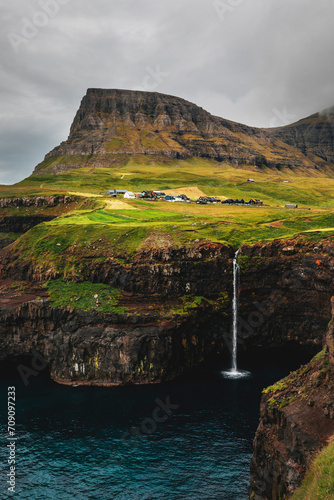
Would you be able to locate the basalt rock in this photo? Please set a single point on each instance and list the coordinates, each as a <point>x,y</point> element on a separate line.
<point>39,201</point>
<point>22,224</point>
<point>285,296</point>
<point>297,421</point>
<point>113,125</point>
<point>98,349</point>
<point>284,299</point>
<point>313,136</point>
<point>330,340</point>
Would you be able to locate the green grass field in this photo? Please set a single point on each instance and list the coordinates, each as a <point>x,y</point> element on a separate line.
<point>136,174</point>
<point>99,227</point>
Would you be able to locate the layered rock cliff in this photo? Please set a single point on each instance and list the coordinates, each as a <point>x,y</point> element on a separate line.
<point>283,302</point>
<point>313,136</point>
<point>297,421</point>
<point>173,319</point>
<point>110,349</point>
<point>112,125</point>
<point>285,293</point>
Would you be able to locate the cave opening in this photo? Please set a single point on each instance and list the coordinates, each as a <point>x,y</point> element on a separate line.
<point>25,367</point>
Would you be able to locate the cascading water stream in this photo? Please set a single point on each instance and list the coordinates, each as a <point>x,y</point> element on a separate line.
<point>234,372</point>
<point>236,270</point>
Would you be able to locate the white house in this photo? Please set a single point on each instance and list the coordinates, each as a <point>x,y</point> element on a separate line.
<point>129,195</point>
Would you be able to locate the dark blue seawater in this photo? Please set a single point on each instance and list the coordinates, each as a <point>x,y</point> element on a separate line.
<point>74,443</point>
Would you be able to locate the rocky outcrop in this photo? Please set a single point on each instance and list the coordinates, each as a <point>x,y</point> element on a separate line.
<point>38,201</point>
<point>285,286</point>
<point>330,340</point>
<point>22,224</point>
<point>112,125</point>
<point>285,292</point>
<point>202,270</point>
<point>285,289</point>
<point>101,349</point>
<point>12,223</point>
<point>297,421</point>
<point>313,136</point>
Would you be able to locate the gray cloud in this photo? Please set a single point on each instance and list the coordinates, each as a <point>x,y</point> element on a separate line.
<point>258,62</point>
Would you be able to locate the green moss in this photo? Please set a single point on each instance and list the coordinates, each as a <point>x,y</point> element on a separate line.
<point>85,296</point>
<point>320,355</point>
<point>279,386</point>
<point>19,285</point>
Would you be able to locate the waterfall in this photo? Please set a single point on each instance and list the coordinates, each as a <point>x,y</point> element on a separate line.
<point>235,299</point>
<point>234,373</point>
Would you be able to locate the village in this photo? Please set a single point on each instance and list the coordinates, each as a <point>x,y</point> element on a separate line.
<point>156,195</point>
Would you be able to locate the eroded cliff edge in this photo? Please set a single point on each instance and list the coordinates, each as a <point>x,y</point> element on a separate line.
<point>175,309</point>
<point>297,422</point>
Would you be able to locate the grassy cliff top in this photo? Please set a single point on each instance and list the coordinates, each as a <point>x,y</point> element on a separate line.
<point>102,226</point>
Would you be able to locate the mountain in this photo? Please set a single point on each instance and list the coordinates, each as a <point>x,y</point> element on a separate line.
<point>112,125</point>
<point>313,136</point>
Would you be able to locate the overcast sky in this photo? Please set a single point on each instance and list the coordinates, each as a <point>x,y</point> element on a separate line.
<point>259,62</point>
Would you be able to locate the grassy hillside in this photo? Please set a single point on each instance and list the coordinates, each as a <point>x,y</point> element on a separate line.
<point>318,483</point>
<point>101,226</point>
<point>118,229</point>
<point>308,188</point>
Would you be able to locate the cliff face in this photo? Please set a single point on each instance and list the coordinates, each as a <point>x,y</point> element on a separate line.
<point>112,125</point>
<point>155,287</point>
<point>313,136</point>
<point>164,331</point>
<point>92,348</point>
<point>285,293</point>
<point>297,421</point>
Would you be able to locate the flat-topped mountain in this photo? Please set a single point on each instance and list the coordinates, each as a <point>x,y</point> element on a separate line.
<point>112,125</point>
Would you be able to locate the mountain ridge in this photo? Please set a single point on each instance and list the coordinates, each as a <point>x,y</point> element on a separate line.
<point>111,125</point>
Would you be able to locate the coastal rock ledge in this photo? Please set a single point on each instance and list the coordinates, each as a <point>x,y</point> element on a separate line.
<point>296,423</point>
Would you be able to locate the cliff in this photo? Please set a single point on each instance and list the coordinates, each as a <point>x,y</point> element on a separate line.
<point>297,422</point>
<point>313,136</point>
<point>285,292</point>
<point>173,309</point>
<point>113,125</point>
<point>168,317</point>
<point>110,349</point>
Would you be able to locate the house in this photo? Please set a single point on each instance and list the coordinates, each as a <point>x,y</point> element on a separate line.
<point>231,201</point>
<point>159,194</point>
<point>255,201</point>
<point>171,197</point>
<point>250,180</point>
<point>115,192</point>
<point>149,195</point>
<point>291,206</point>
<point>211,199</point>
<point>129,195</point>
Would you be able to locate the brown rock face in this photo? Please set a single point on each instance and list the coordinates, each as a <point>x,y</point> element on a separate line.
<point>330,339</point>
<point>313,136</point>
<point>297,421</point>
<point>285,296</point>
<point>95,349</point>
<point>283,303</point>
<point>111,125</point>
